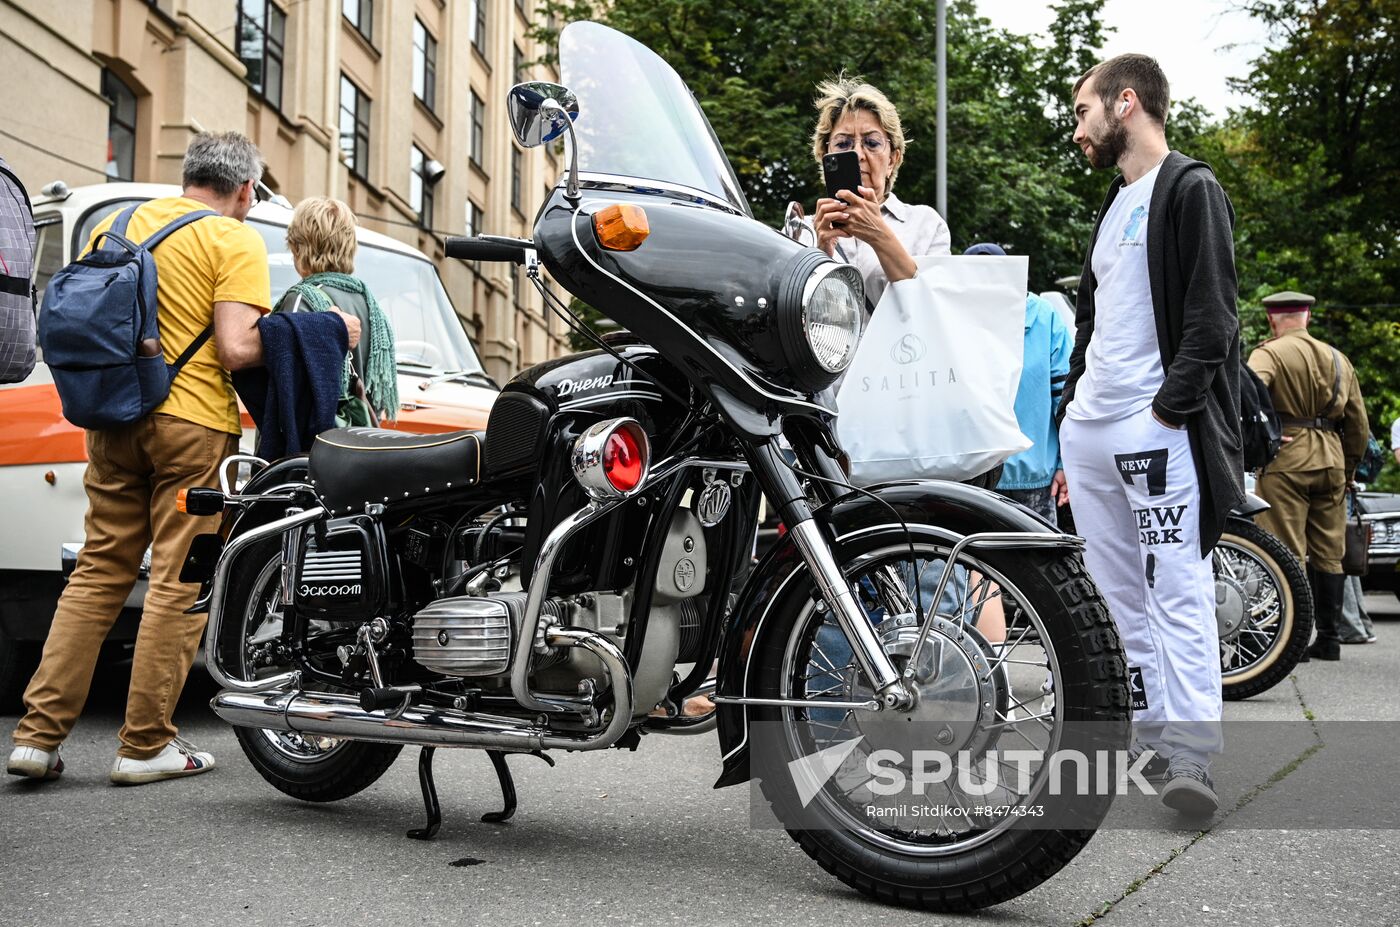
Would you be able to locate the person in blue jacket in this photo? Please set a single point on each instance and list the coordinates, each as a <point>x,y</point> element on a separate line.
<point>1035,477</point>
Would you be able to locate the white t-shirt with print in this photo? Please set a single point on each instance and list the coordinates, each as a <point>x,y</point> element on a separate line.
<point>1123,366</point>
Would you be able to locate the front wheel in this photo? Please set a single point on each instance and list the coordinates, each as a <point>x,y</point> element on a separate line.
<point>1264,609</point>
<point>306,766</point>
<point>870,794</point>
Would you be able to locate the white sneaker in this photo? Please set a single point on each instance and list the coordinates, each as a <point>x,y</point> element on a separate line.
<point>176,760</point>
<point>34,763</point>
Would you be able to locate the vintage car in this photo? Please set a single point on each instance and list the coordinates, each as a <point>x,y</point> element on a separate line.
<point>442,387</point>
<point>1382,511</point>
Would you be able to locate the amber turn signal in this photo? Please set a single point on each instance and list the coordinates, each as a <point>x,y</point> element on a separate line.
<point>621,226</point>
<point>199,501</point>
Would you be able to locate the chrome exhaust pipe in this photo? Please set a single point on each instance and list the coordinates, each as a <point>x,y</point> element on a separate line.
<point>333,714</point>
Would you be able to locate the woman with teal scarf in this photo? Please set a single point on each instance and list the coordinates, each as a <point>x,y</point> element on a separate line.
<point>321,237</point>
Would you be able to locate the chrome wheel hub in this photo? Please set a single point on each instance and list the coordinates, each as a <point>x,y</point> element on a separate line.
<point>1230,608</point>
<point>955,691</point>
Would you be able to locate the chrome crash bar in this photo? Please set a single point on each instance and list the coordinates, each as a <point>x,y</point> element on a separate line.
<point>544,567</point>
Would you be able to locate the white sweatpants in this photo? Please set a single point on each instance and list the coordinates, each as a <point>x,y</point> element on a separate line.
<point>1136,501</point>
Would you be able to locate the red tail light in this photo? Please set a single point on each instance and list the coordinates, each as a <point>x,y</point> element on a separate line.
<point>611,458</point>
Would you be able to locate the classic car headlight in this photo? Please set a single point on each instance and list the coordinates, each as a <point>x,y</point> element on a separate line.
<point>821,309</point>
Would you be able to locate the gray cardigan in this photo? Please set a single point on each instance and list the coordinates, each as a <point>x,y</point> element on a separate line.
<point>1191,270</point>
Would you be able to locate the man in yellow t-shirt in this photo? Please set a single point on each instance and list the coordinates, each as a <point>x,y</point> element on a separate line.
<point>212,272</point>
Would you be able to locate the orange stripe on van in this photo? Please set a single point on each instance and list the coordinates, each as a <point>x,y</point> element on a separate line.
<point>33,429</point>
<point>428,420</point>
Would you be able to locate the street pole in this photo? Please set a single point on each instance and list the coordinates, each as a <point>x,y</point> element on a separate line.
<point>941,129</point>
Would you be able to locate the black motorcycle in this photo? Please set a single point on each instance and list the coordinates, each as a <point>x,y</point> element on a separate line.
<point>567,579</point>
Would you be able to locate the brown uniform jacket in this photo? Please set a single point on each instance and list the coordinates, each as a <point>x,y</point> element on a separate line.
<point>1299,372</point>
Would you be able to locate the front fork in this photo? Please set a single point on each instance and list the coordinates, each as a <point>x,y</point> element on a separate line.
<point>785,492</point>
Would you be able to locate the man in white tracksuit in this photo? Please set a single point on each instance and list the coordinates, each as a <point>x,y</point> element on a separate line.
<point>1150,434</point>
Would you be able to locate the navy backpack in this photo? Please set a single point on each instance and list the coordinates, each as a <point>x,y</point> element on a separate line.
<point>100,329</point>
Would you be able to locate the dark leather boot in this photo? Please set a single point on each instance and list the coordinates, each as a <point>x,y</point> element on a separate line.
<point>1327,614</point>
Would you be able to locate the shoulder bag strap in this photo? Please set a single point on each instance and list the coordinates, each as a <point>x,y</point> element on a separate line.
<point>1336,382</point>
<point>23,193</point>
<point>200,341</point>
<point>116,232</point>
<point>173,226</point>
<point>150,242</point>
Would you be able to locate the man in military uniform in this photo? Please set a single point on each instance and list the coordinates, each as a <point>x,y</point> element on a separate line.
<point>1315,393</point>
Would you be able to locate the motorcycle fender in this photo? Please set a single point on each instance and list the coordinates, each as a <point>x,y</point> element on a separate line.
<point>932,508</point>
<point>1251,506</point>
<point>205,549</point>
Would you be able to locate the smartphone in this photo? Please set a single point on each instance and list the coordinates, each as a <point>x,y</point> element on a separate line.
<point>842,172</point>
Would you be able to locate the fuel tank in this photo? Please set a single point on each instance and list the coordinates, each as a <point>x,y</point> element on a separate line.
<point>530,437</point>
<point>586,388</point>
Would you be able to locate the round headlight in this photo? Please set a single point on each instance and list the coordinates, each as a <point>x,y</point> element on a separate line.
<point>833,304</point>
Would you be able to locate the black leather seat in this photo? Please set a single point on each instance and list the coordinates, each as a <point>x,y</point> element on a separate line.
<point>353,467</point>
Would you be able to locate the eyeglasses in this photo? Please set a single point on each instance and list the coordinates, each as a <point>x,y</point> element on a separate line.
<point>873,143</point>
<point>257,194</point>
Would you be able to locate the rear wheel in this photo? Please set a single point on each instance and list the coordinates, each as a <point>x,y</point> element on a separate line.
<point>1264,609</point>
<point>1056,682</point>
<point>306,766</point>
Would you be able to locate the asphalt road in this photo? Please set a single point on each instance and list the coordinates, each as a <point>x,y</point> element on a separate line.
<point>642,838</point>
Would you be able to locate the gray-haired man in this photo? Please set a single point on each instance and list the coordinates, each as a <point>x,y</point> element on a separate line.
<point>213,277</point>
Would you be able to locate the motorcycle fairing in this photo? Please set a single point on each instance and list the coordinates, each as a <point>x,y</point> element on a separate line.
<point>703,288</point>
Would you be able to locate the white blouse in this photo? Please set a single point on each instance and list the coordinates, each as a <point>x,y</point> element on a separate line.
<point>920,229</point>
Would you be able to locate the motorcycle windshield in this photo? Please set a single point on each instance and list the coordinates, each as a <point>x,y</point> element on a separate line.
<point>638,120</point>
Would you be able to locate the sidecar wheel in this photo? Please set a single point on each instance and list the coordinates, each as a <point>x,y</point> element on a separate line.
<point>1265,609</point>
<point>1059,679</point>
<point>305,766</point>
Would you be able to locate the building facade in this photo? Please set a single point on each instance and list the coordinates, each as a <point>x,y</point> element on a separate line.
<point>395,106</point>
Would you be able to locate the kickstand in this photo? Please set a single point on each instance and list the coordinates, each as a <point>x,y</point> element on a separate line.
<point>430,799</point>
<point>498,760</point>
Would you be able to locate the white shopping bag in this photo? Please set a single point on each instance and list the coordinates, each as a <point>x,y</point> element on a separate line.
<point>931,392</point>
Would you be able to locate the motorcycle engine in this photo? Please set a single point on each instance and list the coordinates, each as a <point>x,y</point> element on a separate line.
<point>474,636</point>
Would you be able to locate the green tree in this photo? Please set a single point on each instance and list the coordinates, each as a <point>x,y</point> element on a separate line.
<point>1312,164</point>
<point>753,66</point>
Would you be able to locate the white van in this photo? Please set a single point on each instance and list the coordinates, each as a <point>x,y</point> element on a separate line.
<point>442,387</point>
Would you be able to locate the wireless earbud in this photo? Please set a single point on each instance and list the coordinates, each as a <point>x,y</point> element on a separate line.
<point>1122,108</point>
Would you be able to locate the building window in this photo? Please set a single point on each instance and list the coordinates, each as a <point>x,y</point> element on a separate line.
<point>262,32</point>
<point>478,25</point>
<point>478,130</point>
<point>420,190</point>
<point>517,170</point>
<point>360,13</point>
<point>517,65</point>
<point>354,127</point>
<point>473,219</point>
<point>121,127</point>
<point>424,64</point>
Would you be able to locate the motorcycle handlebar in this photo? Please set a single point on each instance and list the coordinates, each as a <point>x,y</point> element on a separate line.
<point>481,249</point>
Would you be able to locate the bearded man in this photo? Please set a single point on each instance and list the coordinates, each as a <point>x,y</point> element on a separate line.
<point>1150,432</point>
